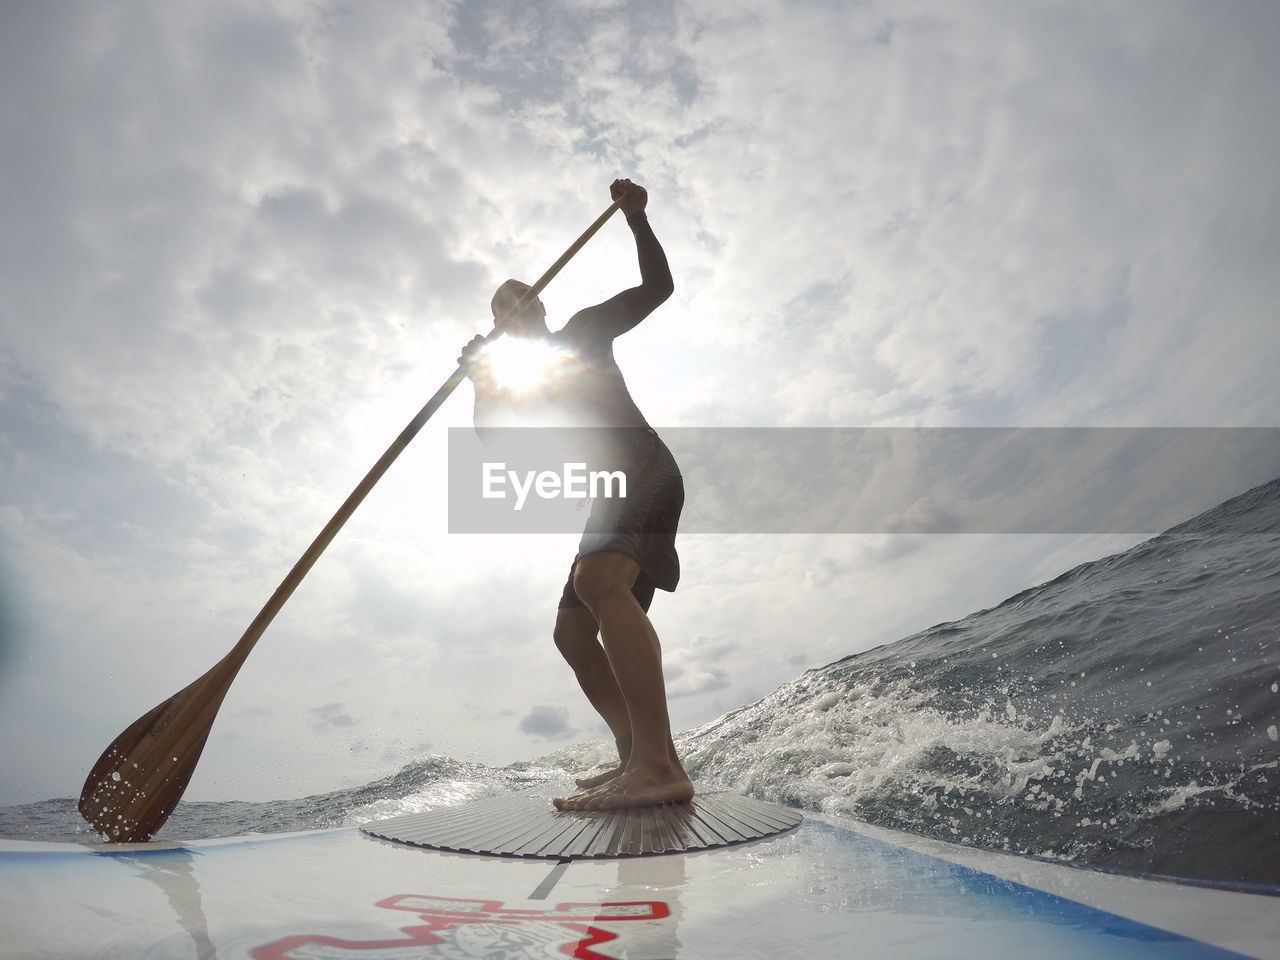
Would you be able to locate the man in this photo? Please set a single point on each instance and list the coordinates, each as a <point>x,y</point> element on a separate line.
<point>628,547</point>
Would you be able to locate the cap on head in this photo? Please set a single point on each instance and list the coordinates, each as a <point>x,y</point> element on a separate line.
<point>507,296</point>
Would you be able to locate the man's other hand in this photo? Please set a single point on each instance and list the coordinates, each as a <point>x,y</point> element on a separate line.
<point>472,355</point>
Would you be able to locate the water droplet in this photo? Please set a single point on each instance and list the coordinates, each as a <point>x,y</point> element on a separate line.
<point>115,775</point>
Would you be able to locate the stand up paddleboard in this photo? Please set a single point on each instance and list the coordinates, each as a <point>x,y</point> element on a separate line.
<point>683,881</point>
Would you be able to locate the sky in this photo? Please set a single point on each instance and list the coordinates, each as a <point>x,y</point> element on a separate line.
<point>241,244</point>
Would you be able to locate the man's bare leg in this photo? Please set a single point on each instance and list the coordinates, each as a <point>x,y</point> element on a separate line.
<point>653,774</point>
<point>576,637</point>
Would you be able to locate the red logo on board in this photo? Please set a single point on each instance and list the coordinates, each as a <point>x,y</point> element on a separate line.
<point>469,928</point>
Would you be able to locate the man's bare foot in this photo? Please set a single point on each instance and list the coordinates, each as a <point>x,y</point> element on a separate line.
<point>590,783</point>
<point>633,788</point>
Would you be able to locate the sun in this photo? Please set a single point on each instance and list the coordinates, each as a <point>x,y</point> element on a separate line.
<point>521,363</point>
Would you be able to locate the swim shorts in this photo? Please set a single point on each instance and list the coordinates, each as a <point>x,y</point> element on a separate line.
<point>642,524</point>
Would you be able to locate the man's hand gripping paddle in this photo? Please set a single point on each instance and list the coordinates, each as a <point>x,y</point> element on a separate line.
<point>138,780</point>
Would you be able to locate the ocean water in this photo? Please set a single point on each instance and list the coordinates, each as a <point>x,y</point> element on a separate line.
<point>1123,715</point>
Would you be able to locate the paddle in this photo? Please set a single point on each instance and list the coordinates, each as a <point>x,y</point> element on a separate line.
<point>138,780</point>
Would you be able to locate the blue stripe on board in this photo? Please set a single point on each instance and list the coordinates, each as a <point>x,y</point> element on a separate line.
<point>1025,902</point>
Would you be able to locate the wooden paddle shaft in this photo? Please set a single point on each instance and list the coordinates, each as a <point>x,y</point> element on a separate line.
<point>325,537</point>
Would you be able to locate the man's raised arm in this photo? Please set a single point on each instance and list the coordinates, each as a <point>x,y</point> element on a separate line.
<point>620,313</point>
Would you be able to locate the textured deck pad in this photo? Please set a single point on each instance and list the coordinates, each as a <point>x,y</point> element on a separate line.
<point>527,825</point>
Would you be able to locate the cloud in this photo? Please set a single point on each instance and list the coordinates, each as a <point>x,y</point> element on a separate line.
<point>697,666</point>
<point>331,715</point>
<point>690,680</point>
<point>959,193</point>
<point>549,723</point>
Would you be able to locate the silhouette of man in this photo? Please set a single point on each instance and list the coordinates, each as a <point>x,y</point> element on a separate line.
<point>628,545</point>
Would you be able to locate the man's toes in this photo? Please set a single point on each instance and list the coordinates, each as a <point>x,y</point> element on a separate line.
<point>570,803</point>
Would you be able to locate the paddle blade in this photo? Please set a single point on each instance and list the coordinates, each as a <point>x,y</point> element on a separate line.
<point>138,780</point>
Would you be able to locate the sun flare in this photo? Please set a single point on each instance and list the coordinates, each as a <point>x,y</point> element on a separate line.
<point>521,363</point>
